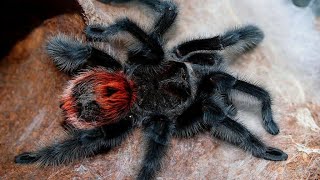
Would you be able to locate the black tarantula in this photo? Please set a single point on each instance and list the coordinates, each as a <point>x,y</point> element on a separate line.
<point>176,93</point>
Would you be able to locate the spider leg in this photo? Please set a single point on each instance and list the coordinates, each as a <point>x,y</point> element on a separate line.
<point>218,104</point>
<point>265,98</point>
<point>71,55</point>
<point>83,143</point>
<point>203,58</point>
<point>235,133</point>
<point>102,33</point>
<point>151,51</point>
<point>195,118</point>
<point>189,123</point>
<point>157,130</point>
<point>227,82</point>
<point>167,9</point>
<point>248,37</point>
<point>169,13</point>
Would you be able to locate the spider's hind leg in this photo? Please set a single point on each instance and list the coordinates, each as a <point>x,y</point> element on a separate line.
<point>83,143</point>
<point>228,82</point>
<point>235,133</point>
<point>262,95</point>
<point>71,55</point>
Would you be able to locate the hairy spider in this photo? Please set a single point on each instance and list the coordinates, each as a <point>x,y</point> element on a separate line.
<point>177,93</point>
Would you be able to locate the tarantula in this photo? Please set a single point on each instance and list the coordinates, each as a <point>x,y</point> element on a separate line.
<point>177,93</point>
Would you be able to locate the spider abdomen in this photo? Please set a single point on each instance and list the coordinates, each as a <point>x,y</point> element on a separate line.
<point>97,97</point>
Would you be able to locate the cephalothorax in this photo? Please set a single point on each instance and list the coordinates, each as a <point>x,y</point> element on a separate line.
<point>176,93</point>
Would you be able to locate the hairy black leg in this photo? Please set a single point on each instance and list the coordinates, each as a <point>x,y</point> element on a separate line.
<point>195,118</point>
<point>265,99</point>
<point>100,32</point>
<point>215,108</point>
<point>198,44</point>
<point>158,131</point>
<point>248,37</point>
<point>169,12</point>
<point>235,133</point>
<point>100,58</point>
<point>226,82</point>
<point>71,55</point>
<point>204,58</point>
<point>232,110</point>
<point>190,123</point>
<point>167,9</point>
<point>151,52</point>
<point>81,144</point>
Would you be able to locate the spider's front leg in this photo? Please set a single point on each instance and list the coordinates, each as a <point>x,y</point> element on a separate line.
<point>169,13</point>
<point>81,144</point>
<point>71,55</point>
<point>167,9</point>
<point>157,131</point>
<point>235,133</point>
<point>104,33</point>
<point>151,51</point>
<point>243,39</point>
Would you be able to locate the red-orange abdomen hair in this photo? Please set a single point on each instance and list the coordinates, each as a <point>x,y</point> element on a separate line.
<point>97,97</point>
